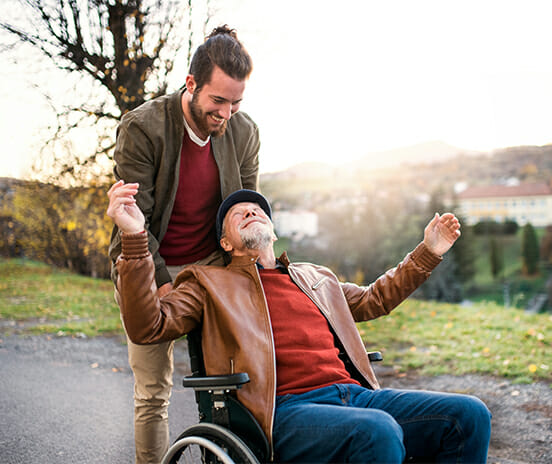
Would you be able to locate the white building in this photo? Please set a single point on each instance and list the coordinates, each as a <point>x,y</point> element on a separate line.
<point>520,203</point>
<point>296,224</point>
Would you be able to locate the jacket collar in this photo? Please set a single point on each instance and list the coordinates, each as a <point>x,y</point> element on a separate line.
<point>284,259</point>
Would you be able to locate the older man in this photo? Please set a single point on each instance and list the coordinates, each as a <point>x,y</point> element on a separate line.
<point>285,325</point>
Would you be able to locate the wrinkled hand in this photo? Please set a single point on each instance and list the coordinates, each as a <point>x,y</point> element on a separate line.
<point>441,233</point>
<point>123,209</point>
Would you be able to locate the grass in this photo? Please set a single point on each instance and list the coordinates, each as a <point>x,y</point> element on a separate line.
<point>485,338</point>
<point>49,300</point>
<point>434,338</point>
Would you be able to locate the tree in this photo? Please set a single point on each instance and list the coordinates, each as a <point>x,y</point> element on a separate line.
<point>546,245</point>
<point>529,250</point>
<point>496,257</point>
<point>361,239</point>
<point>10,229</point>
<point>442,285</point>
<point>64,227</point>
<point>123,50</point>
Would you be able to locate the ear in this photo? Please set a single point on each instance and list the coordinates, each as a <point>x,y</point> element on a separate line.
<point>190,83</point>
<point>225,244</point>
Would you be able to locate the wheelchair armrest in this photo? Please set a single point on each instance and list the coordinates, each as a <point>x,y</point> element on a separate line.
<point>219,382</point>
<point>374,356</point>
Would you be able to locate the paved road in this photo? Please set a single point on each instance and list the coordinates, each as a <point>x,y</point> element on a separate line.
<point>65,400</point>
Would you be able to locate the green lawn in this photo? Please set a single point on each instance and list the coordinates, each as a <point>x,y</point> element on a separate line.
<point>435,338</point>
<point>484,338</point>
<point>55,301</point>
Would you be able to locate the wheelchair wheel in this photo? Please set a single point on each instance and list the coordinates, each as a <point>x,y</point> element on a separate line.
<point>209,444</point>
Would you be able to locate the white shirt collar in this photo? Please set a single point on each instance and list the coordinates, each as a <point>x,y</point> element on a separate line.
<point>193,137</point>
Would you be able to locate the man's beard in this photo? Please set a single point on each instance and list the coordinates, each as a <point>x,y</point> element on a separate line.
<point>257,238</point>
<point>200,119</point>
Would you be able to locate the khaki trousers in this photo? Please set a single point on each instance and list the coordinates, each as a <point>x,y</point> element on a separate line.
<point>153,366</point>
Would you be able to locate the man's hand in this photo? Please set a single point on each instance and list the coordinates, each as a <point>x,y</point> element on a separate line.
<point>441,233</point>
<point>123,209</point>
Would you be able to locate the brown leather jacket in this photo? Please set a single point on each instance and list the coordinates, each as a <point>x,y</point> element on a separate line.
<point>230,304</point>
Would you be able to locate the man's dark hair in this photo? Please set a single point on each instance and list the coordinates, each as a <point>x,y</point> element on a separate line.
<point>223,49</point>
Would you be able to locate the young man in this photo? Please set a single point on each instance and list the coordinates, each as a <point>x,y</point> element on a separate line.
<point>187,150</point>
<point>291,327</point>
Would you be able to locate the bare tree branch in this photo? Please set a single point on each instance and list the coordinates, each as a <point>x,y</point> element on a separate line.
<point>126,47</point>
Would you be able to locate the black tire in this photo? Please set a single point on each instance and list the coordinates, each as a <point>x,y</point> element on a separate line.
<point>208,443</point>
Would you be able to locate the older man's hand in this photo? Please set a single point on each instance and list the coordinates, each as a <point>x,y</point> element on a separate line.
<point>441,233</point>
<point>123,209</point>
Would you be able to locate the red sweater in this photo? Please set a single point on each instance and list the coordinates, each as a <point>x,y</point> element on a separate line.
<point>306,355</point>
<point>191,232</point>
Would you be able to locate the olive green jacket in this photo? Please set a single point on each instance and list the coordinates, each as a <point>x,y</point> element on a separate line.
<point>149,141</point>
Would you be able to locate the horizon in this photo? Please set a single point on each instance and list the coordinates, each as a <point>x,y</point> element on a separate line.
<point>389,163</point>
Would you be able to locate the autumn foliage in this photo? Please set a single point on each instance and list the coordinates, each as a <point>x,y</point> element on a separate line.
<point>64,227</point>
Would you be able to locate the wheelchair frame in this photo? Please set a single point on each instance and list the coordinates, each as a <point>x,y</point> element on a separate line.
<point>227,432</point>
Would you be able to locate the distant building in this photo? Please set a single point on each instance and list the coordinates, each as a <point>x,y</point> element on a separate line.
<point>295,224</point>
<point>521,203</point>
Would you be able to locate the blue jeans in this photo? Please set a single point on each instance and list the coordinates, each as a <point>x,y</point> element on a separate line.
<point>349,423</point>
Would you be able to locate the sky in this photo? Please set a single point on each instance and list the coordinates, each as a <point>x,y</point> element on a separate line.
<point>335,81</point>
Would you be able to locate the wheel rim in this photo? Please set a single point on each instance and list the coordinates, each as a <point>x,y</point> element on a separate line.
<point>183,448</point>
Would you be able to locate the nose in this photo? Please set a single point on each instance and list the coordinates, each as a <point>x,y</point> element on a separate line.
<point>249,213</point>
<point>225,111</point>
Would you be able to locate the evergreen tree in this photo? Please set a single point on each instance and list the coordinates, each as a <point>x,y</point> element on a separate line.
<point>529,250</point>
<point>546,246</point>
<point>464,252</point>
<point>496,257</point>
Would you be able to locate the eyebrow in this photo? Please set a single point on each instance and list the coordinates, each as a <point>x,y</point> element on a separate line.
<point>222,99</point>
<point>239,207</point>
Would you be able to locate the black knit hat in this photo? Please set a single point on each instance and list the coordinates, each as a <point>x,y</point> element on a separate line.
<point>240,196</point>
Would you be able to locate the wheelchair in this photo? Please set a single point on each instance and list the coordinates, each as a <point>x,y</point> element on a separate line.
<point>227,432</point>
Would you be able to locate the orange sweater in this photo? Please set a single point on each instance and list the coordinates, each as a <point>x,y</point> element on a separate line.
<point>306,355</point>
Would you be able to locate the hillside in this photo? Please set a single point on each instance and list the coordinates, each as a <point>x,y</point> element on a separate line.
<point>441,169</point>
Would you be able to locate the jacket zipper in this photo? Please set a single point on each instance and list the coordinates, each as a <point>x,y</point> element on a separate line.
<point>306,292</point>
<point>315,286</point>
<point>319,283</point>
<point>273,364</point>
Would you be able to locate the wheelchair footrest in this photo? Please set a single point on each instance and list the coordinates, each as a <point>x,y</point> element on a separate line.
<point>218,382</point>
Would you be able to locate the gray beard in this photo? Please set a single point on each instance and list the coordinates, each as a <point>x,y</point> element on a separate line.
<point>257,241</point>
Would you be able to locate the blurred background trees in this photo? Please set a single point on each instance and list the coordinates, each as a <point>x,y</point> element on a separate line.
<point>114,55</point>
<point>530,250</point>
<point>64,227</point>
